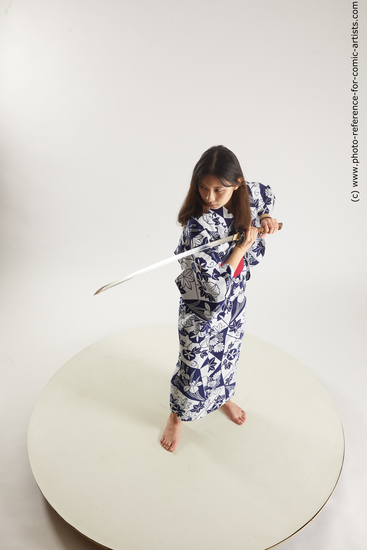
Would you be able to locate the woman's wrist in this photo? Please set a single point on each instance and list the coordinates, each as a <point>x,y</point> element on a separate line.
<point>243,248</point>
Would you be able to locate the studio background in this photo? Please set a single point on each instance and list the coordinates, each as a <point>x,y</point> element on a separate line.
<point>105,108</point>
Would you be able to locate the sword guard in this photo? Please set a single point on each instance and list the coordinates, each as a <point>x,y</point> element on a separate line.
<point>239,236</point>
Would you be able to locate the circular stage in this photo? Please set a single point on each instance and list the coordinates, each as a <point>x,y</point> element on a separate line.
<point>94,449</point>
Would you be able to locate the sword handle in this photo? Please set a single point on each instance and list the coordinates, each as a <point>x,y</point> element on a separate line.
<point>261,230</point>
<point>239,236</point>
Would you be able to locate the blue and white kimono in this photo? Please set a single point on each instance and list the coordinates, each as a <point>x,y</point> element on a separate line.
<point>212,309</point>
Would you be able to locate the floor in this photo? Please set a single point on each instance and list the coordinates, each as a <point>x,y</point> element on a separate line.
<point>94,449</point>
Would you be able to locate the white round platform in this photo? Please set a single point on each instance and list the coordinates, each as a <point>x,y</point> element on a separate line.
<point>94,449</point>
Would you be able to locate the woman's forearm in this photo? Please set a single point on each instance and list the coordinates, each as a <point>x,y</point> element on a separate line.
<point>240,250</point>
<point>235,258</point>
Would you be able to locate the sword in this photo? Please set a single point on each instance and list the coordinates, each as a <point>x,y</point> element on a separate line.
<point>239,237</point>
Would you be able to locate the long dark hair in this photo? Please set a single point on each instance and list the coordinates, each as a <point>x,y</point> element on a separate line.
<point>220,162</point>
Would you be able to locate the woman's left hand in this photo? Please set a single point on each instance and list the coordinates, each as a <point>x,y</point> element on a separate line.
<point>270,225</point>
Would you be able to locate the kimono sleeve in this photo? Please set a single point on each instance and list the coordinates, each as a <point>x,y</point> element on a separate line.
<point>204,284</point>
<point>262,200</point>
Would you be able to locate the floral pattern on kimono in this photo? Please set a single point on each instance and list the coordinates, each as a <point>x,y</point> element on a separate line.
<point>212,309</point>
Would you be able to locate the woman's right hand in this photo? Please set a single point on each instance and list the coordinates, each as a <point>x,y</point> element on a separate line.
<point>250,238</point>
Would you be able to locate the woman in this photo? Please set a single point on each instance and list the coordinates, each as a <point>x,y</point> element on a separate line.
<point>212,286</point>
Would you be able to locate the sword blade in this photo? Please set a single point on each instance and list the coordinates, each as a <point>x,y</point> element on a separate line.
<point>192,251</point>
<point>173,258</point>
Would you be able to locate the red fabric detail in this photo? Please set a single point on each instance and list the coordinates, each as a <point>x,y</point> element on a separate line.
<point>239,268</point>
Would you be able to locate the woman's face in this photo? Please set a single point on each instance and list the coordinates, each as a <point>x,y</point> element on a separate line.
<point>213,193</point>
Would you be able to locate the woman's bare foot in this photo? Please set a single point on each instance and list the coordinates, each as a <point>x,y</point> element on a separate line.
<point>171,434</point>
<point>234,412</point>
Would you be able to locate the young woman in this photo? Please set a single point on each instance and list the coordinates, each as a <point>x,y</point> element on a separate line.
<point>212,286</point>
